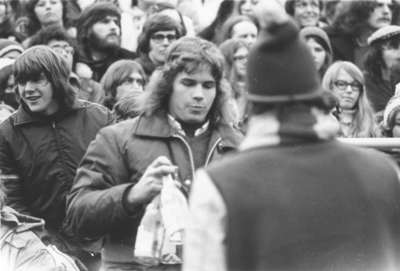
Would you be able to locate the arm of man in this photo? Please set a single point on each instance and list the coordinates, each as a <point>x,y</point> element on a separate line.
<point>204,247</point>
<point>11,179</point>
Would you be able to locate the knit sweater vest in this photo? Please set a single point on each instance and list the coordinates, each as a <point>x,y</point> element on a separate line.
<point>316,206</point>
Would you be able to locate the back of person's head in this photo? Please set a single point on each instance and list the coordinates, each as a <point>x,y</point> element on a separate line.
<point>153,24</point>
<point>273,74</point>
<point>39,60</point>
<point>188,54</point>
<point>91,15</point>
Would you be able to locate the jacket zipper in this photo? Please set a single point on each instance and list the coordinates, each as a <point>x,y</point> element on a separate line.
<point>189,151</point>
<point>53,124</point>
<point>212,150</point>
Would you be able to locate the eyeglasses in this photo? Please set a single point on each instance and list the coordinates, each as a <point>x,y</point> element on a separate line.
<point>63,49</point>
<point>343,85</point>
<point>160,37</point>
<point>240,58</point>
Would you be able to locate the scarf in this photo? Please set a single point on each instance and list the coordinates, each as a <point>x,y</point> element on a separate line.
<point>288,125</point>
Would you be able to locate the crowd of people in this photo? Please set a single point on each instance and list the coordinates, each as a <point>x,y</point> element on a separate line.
<point>101,101</point>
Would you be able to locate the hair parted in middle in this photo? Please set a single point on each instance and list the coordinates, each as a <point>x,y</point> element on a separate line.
<point>41,59</point>
<point>188,54</point>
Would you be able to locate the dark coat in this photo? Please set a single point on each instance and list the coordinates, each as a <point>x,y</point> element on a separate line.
<point>114,162</point>
<point>39,157</point>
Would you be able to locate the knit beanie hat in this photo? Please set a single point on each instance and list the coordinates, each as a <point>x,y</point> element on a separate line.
<point>280,67</point>
<point>313,31</point>
<point>7,46</point>
<point>92,14</point>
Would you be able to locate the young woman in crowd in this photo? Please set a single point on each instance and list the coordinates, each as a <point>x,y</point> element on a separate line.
<point>240,27</point>
<point>122,79</point>
<point>235,52</point>
<point>320,46</point>
<point>346,81</point>
<point>382,66</point>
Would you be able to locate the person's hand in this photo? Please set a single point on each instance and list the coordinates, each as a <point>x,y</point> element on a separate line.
<point>150,184</point>
<point>270,11</point>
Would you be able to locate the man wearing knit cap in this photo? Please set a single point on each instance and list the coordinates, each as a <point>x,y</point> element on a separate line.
<point>99,38</point>
<point>293,198</point>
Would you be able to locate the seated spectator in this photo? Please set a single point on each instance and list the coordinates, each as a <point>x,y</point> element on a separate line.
<point>99,38</point>
<point>121,79</point>
<point>235,52</point>
<point>42,13</point>
<point>318,42</point>
<point>57,38</point>
<point>240,27</point>
<point>354,23</point>
<point>381,65</point>
<point>346,81</point>
<point>305,12</point>
<point>7,84</point>
<point>20,245</point>
<point>159,31</point>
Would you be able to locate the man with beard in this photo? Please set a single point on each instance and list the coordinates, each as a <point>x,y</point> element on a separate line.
<point>99,38</point>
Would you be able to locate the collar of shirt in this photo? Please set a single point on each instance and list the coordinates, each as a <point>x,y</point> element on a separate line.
<point>178,127</point>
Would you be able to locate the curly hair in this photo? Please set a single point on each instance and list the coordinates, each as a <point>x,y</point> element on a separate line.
<point>34,24</point>
<point>352,16</point>
<point>188,54</point>
<point>42,59</point>
<point>364,123</point>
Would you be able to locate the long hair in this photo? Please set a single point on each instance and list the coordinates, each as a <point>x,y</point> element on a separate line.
<point>227,27</point>
<point>115,75</point>
<point>363,124</point>
<point>188,54</point>
<point>34,24</point>
<point>352,16</point>
<point>228,49</point>
<point>155,23</point>
<point>42,59</point>
<point>328,57</point>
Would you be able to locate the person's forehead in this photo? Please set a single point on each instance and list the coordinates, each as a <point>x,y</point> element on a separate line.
<point>164,32</point>
<point>384,2</point>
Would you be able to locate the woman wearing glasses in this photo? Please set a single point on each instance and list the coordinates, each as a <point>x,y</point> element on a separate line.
<point>346,81</point>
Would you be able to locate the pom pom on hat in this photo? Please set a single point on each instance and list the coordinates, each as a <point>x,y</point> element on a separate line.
<point>281,68</point>
<point>384,33</point>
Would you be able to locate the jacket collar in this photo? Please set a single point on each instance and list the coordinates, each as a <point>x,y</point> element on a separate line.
<point>158,126</point>
<point>20,221</point>
<point>22,116</point>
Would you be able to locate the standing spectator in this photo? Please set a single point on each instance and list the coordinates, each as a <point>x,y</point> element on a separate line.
<point>235,52</point>
<point>353,110</point>
<point>43,142</point>
<point>305,12</point>
<point>181,129</point>
<point>240,27</point>
<point>99,38</point>
<point>318,42</point>
<point>159,31</point>
<point>354,23</point>
<point>121,79</point>
<point>279,203</point>
<point>57,38</point>
<point>381,65</point>
<point>42,13</point>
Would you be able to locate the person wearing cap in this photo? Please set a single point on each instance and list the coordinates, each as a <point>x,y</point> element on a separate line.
<point>318,42</point>
<point>182,126</point>
<point>10,49</point>
<point>42,143</point>
<point>382,65</point>
<point>292,197</point>
<point>99,38</point>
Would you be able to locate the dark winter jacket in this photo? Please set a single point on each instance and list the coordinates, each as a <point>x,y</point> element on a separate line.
<point>114,162</point>
<point>39,157</point>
